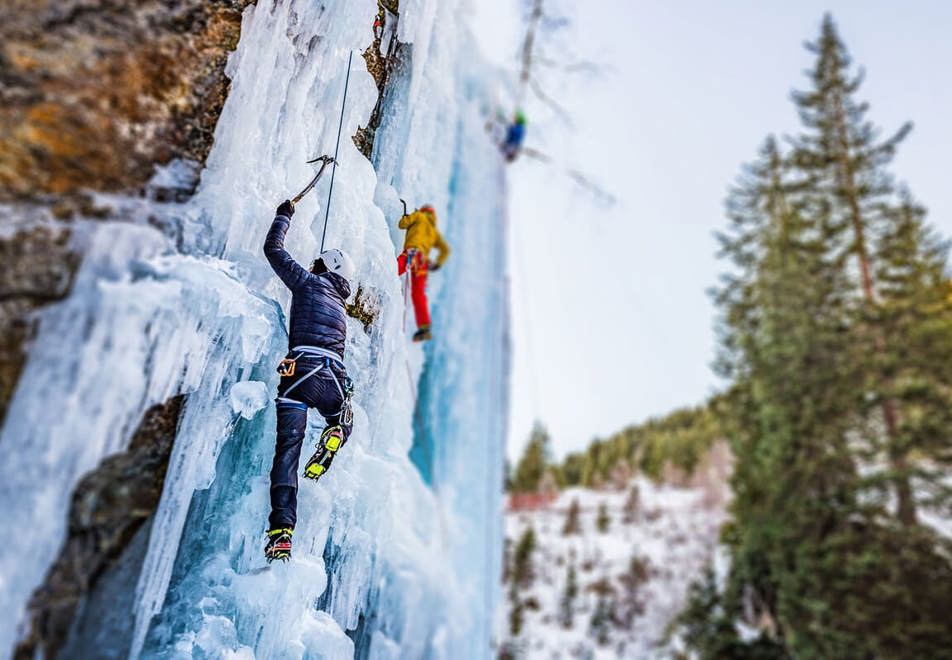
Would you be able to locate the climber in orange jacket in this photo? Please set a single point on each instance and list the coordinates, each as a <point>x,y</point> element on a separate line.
<point>422,236</point>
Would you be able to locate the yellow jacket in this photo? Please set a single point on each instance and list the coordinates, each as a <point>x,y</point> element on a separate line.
<point>423,235</point>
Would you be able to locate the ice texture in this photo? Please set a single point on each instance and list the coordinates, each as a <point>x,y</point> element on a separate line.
<point>393,556</point>
<point>248,397</point>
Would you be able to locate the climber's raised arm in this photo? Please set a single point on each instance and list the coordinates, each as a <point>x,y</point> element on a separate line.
<point>291,272</point>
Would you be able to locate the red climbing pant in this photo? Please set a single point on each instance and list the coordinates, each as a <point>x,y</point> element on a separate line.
<point>417,266</point>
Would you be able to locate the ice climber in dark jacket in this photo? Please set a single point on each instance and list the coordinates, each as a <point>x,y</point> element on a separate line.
<point>312,374</point>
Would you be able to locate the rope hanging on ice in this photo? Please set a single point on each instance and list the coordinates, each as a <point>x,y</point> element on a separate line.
<point>340,127</point>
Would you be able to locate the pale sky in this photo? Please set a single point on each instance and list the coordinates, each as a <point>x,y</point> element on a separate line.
<point>611,322</point>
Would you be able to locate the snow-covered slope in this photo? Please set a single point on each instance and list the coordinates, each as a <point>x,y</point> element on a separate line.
<point>656,543</point>
<point>386,564</point>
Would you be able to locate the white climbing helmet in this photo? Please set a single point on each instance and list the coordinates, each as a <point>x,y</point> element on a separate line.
<point>338,262</point>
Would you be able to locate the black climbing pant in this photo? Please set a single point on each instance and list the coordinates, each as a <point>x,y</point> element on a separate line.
<point>321,392</point>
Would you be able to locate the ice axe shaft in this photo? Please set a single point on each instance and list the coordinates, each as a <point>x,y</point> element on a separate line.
<point>324,161</point>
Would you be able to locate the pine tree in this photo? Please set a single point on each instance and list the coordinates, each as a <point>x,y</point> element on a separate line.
<point>534,462</point>
<point>521,577</point>
<point>708,627</point>
<point>516,615</point>
<point>506,561</point>
<point>785,341</point>
<point>915,316</point>
<point>522,573</point>
<point>571,471</point>
<point>836,331</point>
<point>603,521</point>
<point>600,623</point>
<point>630,603</point>
<point>572,522</point>
<point>567,604</point>
<point>632,507</point>
<point>841,152</point>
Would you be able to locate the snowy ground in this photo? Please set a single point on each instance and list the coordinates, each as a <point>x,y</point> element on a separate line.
<point>672,531</point>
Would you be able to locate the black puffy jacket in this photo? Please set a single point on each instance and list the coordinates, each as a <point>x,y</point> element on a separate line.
<point>317,301</point>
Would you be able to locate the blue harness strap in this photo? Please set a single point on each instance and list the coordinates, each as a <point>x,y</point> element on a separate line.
<point>290,403</point>
<point>306,376</point>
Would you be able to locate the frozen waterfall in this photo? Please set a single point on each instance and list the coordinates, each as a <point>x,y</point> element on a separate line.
<point>397,549</point>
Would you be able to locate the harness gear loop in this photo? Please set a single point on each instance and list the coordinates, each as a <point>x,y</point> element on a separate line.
<point>287,367</point>
<point>347,392</point>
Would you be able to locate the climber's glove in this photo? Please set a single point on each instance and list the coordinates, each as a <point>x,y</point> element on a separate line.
<point>433,266</point>
<point>286,209</point>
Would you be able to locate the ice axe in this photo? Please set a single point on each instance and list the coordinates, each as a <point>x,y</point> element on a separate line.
<point>324,161</point>
<point>404,206</point>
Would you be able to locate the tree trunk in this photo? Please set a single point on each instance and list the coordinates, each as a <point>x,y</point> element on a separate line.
<point>905,500</point>
<point>527,48</point>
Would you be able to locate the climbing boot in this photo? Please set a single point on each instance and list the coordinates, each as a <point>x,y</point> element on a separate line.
<point>423,334</point>
<point>331,440</point>
<point>279,544</point>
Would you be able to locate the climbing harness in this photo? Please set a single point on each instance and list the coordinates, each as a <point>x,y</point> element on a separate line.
<point>333,436</point>
<point>288,367</point>
<point>340,128</point>
<point>415,262</point>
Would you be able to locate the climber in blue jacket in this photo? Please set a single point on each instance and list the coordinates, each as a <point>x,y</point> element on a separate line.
<point>515,135</point>
<point>312,374</point>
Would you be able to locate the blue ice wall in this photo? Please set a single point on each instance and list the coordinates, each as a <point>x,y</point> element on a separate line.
<point>391,565</point>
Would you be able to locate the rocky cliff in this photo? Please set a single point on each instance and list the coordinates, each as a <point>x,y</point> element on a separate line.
<point>93,96</point>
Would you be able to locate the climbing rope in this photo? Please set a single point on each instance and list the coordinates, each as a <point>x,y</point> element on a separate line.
<point>340,128</point>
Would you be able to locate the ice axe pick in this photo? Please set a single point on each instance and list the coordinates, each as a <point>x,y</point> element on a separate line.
<point>324,161</point>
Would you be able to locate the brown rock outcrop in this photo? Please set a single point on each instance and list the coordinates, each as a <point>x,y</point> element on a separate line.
<point>93,93</point>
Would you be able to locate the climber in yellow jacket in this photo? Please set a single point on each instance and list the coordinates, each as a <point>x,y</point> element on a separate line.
<point>422,237</point>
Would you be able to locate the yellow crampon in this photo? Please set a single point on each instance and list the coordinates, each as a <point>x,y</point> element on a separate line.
<point>331,440</point>
<point>279,544</point>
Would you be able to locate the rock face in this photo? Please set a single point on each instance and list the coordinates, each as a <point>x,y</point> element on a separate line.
<point>94,92</point>
<point>383,56</point>
<point>36,267</point>
<point>93,95</point>
<point>110,506</point>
